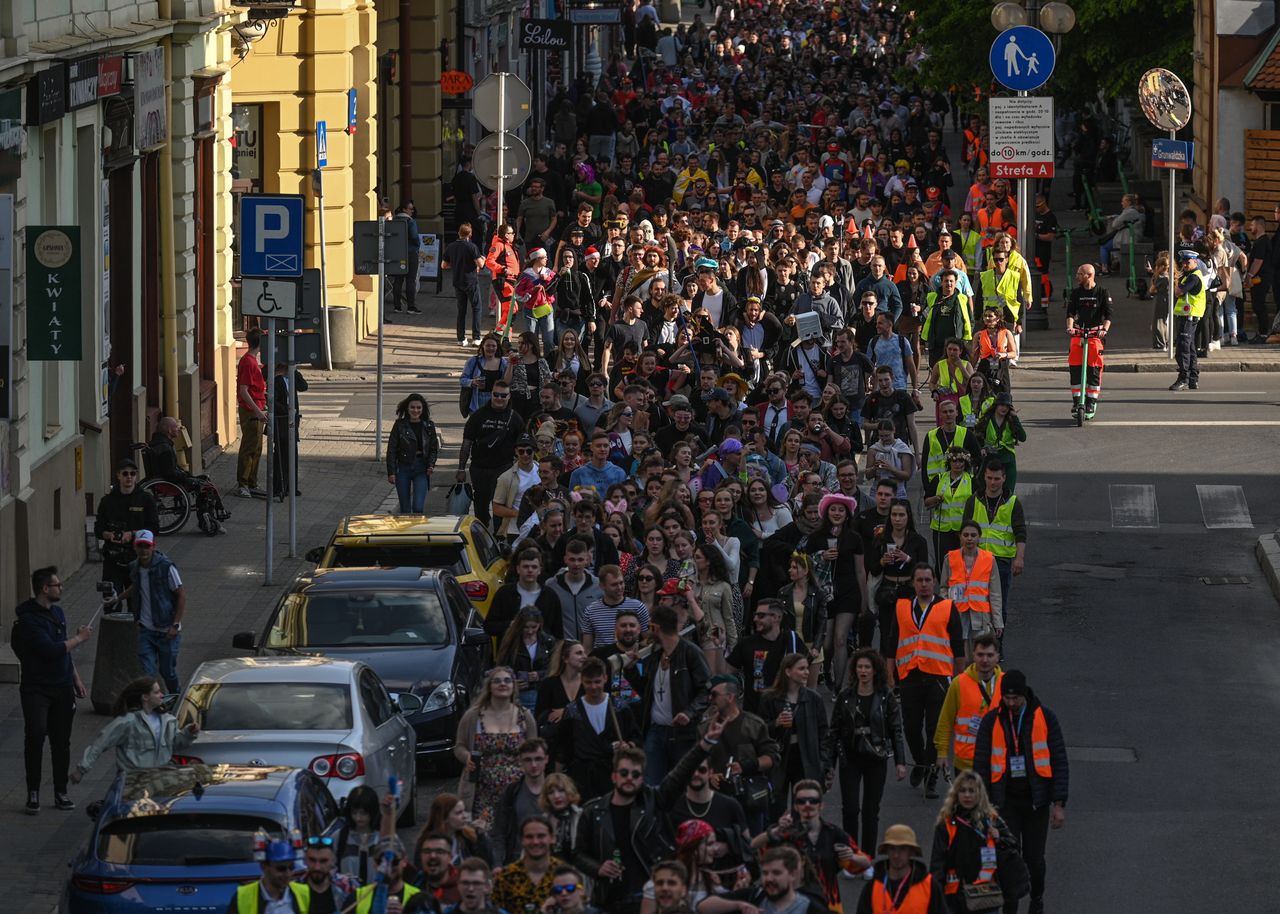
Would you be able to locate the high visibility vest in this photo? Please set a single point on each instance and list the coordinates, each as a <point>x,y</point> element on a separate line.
<point>976,594</point>
<point>926,649</point>
<point>968,247</point>
<point>364,897</point>
<point>935,455</point>
<point>986,874</point>
<point>1002,291</point>
<point>1192,305</point>
<point>1002,439</point>
<point>953,382</point>
<point>969,413</point>
<point>948,515</point>
<point>1039,747</point>
<point>248,896</point>
<point>989,220</point>
<point>997,532</point>
<point>987,347</point>
<point>962,302</point>
<point>915,901</point>
<point>973,707</point>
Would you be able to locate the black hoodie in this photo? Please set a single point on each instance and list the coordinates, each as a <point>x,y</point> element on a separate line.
<point>38,640</point>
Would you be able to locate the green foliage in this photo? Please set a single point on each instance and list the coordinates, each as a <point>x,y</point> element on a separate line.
<point>1114,42</point>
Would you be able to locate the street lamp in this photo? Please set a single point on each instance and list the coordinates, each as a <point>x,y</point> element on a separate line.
<point>1007,14</point>
<point>1057,18</point>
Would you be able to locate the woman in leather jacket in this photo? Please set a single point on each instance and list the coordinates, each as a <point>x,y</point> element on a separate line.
<point>797,719</point>
<point>527,648</point>
<point>412,448</point>
<point>866,729</point>
<point>575,307</point>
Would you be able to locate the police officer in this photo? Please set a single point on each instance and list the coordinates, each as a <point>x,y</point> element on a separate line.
<point>1188,308</point>
<point>274,892</point>
<point>121,512</point>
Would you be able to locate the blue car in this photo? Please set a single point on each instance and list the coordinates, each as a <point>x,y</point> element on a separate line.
<point>182,839</point>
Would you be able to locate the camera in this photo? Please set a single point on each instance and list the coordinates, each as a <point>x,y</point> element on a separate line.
<point>106,588</point>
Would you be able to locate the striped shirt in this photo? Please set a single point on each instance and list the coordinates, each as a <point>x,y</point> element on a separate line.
<point>599,619</point>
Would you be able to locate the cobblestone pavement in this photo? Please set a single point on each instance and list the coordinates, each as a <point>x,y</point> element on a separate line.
<point>224,576</point>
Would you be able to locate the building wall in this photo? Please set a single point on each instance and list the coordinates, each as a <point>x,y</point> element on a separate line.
<point>1238,110</point>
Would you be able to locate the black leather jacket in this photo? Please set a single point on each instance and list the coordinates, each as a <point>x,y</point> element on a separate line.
<point>403,445</point>
<point>689,675</point>
<point>879,736</point>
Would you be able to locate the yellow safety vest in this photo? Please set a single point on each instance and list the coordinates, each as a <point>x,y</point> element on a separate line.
<point>935,456</point>
<point>248,896</point>
<point>364,897</point>
<point>962,303</point>
<point>1003,291</point>
<point>969,414</point>
<point>1192,305</point>
<point>948,515</point>
<point>969,243</point>
<point>997,532</point>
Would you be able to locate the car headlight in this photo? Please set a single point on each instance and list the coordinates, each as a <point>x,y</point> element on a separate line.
<point>442,696</point>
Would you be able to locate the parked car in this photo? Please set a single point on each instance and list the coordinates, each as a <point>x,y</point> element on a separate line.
<point>459,543</point>
<point>182,838</point>
<point>414,626</point>
<point>332,717</point>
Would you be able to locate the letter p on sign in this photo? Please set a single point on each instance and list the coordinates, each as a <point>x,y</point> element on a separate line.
<point>272,224</point>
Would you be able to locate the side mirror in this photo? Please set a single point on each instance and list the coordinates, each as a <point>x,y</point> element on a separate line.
<point>93,810</point>
<point>243,641</point>
<point>408,703</point>
<point>314,555</point>
<point>473,637</point>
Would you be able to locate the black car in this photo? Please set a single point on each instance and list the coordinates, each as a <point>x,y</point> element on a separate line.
<point>415,627</point>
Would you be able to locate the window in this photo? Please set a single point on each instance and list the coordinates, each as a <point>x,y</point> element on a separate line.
<point>460,604</point>
<point>486,547</point>
<point>364,555</point>
<point>180,840</point>
<point>408,618</point>
<point>267,706</point>
<point>376,701</point>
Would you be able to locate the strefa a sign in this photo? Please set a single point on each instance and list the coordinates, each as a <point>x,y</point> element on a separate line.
<point>1021,137</point>
<point>53,293</point>
<point>151,113</point>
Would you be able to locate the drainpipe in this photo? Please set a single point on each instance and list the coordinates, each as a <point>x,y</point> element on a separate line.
<point>406,103</point>
<point>168,282</point>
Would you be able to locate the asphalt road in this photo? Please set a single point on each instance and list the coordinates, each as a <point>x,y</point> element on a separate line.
<point>1159,678</point>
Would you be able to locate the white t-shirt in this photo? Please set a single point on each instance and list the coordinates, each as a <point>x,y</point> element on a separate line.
<point>528,478</point>
<point>597,715</point>
<point>527,597</point>
<point>661,707</point>
<point>891,455</point>
<point>714,305</point>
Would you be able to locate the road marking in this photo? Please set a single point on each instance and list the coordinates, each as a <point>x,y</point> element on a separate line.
<point>1134,506</point>
<point>1224,507</point>
<point>1211,423</point>
<point>1039,503</point>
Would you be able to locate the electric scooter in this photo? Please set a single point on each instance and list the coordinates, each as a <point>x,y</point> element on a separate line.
<point>1077,407</point>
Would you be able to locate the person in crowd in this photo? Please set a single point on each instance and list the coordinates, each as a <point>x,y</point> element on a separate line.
<point>971,695</point>
<point>900,879</point>
<point>526,648</point>
<point>142,734</point>
<point>592,728</point>
<point>449,816</point>
<point>520,798</point>
<point>413,446</point>
<point>489,738</point>
<point>797,720</point>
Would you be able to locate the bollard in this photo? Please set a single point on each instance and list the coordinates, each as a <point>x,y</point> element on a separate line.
<point>342,324</point>
<point>115,663</point>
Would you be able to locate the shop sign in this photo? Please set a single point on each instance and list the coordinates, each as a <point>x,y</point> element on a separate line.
<point>12,133</point>
<point>545,34</point>
<point>53,293</point>
<point>82,82</point>
<point>151,115</point>
<point>110,75</point>
<point>46,96</point>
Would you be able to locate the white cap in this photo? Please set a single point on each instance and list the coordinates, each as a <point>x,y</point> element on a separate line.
<point>536,253</point>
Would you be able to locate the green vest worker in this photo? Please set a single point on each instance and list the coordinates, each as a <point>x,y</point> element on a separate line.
<point>390,854</point>
<point>1188,308</point>
<point>947,315</point>
<point>275,890</point>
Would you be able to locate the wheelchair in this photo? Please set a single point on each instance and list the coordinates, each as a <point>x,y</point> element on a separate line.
<point>175,503</point>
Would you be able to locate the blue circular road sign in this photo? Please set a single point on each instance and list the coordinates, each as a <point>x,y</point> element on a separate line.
<point>1022,58</point>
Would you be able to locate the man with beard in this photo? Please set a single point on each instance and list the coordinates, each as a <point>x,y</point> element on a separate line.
<point>328,887</point>
<point>437,880</point>
<point>757,656</point>
<point>719,810</point>
<point>626,634</point>
<point>779,892</point>
<point>390,852</point>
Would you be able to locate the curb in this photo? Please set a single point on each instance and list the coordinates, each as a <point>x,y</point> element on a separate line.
<point>1268,552</point>
<point>1207,366</point>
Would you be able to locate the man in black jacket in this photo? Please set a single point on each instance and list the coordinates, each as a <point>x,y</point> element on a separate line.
<point>285,452</point>
<point>123,510</point>
<point>162,456</point>
<point>673,691</point>
<point>492,431</point>
<point>49,684</point>
<point>592,729</point>
<point>1022,756</point>
<point>623,833</point>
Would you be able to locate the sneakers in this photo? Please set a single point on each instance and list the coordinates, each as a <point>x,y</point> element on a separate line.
<point>1194,385</point>
<point>1178,385</point>
<point>414,309</point>
<point>241,492</point>
<point>33,802</point>
<point>63,802</point>
<point>465,343</point>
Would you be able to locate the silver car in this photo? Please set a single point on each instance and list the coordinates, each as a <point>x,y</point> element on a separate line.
<point>333,718</point>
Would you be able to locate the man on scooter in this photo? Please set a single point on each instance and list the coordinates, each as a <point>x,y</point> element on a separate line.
<point>1088,309</point>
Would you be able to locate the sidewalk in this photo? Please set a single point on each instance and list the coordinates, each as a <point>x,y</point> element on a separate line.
<point>224,577</point>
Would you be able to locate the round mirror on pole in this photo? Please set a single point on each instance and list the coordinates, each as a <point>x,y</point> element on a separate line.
<point>1007,14</point>
<point>1164,99</point>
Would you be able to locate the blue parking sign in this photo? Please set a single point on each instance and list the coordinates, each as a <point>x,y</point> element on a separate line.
<point>271,235</point>
<point>1022,58</point>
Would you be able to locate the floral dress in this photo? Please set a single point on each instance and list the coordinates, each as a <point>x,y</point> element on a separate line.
<point>497,766</point>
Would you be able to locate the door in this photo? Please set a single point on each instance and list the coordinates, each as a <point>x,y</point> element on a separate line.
<point>387,741</point>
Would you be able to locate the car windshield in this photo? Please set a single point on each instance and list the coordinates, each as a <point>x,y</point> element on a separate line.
<point>451,556</point>
<point>183,840</point>
<point>267,706</point>
<point>409,618</point>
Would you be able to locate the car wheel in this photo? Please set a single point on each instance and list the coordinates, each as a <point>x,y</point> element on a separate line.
<point>409,815</point>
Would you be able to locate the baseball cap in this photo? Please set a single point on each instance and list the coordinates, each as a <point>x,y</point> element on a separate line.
<point>719,394</point>
<point>678,401</point>
<point>144,536</point>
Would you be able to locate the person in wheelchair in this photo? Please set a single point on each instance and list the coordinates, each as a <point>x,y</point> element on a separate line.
<point>161,458</point>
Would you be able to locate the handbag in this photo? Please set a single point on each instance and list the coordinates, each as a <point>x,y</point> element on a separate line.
<point>754,792</point>
<point>458,498</point>
<point>982,896</point>
<point>1011,869</point>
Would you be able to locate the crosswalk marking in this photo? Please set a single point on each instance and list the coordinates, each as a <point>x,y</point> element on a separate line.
<point>1224,507</point>
<point>1039,503</point>
<point>1134,506</point>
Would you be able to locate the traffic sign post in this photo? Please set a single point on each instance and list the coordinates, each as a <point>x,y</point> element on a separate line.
<point>270,373</point>
<point>382,307</point>
<point>501,102</point>
<point>271,227</point>
<point>317,181</point>
<point>276,299</point>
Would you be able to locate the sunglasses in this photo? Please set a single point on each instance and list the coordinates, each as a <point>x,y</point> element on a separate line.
<point>128,472</point>
<point>629,772</point>
<point>565,889</point>
<point>596,384</point>
<point>524,450</point>
<point>500,396</point>
<point>808,801</point>
<point>319,842</point>
<point>645,578</point>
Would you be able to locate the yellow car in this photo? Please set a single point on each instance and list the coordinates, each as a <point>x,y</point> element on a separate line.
<point>461,544</point>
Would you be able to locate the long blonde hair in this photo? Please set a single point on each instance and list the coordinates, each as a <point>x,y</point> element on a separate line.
<point>484,700</point>
<point>952,802</point>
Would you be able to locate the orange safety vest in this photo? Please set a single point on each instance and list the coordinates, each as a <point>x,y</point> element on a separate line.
<point>973,707</point>
<point>1003,343</point>
<point>976,596</point>
<point>926,649</point>
<point>915,901</point>
<point>988,220</point>
<point>986,874</point>
<point>1039,747</point>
